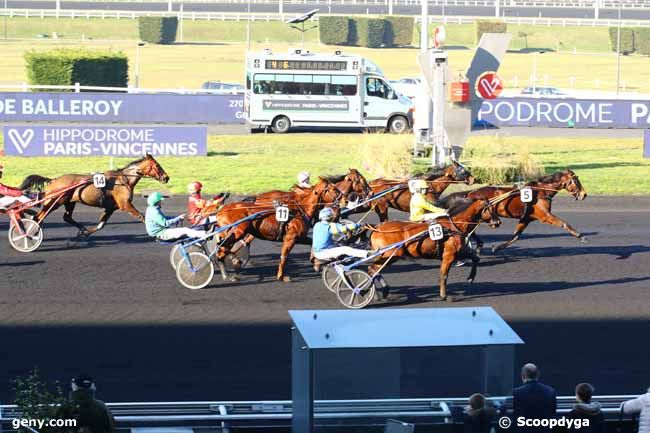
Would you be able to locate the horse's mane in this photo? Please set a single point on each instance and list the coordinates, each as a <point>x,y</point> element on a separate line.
<point>134,162</point>
<point>334,178</point>
<point>460,205</point>
<point>433,173</point>
<point>451,199</point>
<point>551,178</point>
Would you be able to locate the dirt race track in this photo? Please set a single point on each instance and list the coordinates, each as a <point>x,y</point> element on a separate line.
<point>112,307</point>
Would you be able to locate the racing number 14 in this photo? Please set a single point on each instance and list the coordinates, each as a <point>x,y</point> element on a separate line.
<point>99,180</point>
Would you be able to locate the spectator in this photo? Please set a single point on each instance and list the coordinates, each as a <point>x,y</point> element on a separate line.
<point>639,406</point>
<point>479,415</point>
<point>91,414</point>
<point>533,400</point>
<point>585,409</point>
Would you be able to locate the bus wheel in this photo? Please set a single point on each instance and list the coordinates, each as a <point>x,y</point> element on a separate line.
<point>280,124</point>
<point>398,125</point>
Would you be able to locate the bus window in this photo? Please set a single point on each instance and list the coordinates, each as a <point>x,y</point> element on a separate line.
<point>344,85</point>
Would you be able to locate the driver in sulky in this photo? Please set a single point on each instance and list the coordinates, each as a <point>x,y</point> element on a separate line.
<point>10,195</point>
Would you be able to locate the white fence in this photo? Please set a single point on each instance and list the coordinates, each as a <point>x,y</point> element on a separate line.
<point>24,87</point>
<point>242,16</point>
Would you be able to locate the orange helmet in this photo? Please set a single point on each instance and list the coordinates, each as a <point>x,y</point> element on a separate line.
<point>195,186</point>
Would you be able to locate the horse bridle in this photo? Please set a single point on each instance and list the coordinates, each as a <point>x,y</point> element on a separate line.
<point>572,181</point>
<point>153,166</point>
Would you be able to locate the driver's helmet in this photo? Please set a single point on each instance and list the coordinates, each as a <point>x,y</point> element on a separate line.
<point>154,199</point>
<point>303,177</point>
<point>194,187</point>
<point>420,186</point>
<point>326,214</point>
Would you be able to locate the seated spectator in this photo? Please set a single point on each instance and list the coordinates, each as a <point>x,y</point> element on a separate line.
<point>533,400</point>
<point>585,409</point>
<point>639,406</point>
<point>91,414</point>
<point>479,416</point>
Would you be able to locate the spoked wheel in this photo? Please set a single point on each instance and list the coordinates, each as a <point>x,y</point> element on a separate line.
<point>358,291</point>
<point>195,271</point>
<point>330,277</point>
<point>175,255</point>
<point>236,261</point>
<point>29,238</point>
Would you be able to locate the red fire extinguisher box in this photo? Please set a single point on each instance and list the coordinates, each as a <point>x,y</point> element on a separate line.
<point>460,91</point>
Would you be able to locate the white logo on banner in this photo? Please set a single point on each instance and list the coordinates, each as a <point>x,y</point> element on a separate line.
<point>21,141</point>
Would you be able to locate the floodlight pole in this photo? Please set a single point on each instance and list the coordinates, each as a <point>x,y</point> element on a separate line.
<point>6,19</point>
<point>618,52</point>
<point>248,24</point>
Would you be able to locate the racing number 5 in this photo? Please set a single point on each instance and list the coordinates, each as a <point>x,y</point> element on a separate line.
<point>526,195</point>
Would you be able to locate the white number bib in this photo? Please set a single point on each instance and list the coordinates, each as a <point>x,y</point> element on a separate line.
<point>526,195</point>
<point>435,232</point>
<point>282,214</point>
<point>99,180</point>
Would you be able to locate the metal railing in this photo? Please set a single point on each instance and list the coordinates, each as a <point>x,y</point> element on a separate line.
<point>77,88</point>
<point>426,411</point>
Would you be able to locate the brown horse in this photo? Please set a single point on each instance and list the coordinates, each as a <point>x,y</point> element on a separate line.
<point>464,216</point>
<point>511,206</point>
<point>400,199</point>
<point>118,193</point>
<point>303,207</point>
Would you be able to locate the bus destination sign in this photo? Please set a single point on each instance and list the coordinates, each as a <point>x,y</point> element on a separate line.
<point>307,65</point>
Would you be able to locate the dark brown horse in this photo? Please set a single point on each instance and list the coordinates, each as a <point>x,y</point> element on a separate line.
<point>464,217</point>
<point>511,206</point>
<point>303,205</point>
<point>400,199</point>
<point>118,193</point>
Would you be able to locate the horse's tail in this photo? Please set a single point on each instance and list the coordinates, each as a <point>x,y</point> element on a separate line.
<point>34,182</point>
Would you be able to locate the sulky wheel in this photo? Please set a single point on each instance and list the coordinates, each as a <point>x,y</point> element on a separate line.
<point>330,277</point>
<point>195,271</point>
<point>27,236</point>
<point>235,261</point>
<point>358,291</point>
<point>175,255</point>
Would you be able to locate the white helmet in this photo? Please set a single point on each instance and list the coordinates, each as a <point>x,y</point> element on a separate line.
<point>303,177</point>
<point>326,214</point>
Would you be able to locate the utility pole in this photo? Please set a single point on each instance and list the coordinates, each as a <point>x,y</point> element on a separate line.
<point>248,24</point>
<point>137,64</point>
<point>618,52</point>
<point>6,12</point>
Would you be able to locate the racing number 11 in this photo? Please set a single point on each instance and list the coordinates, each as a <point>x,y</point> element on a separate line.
<point>282,214</point>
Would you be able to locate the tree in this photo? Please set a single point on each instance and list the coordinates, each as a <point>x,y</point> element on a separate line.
<point>35,400</point>
<point>525,35</point>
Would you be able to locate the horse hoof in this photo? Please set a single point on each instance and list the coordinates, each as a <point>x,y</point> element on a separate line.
<point>385,291</point>
<point>584,240</point>
<point>470,280</point>
<point>235,278</point>
<point>439,298</point>
<point>285,279</point>
<point>451,299</point>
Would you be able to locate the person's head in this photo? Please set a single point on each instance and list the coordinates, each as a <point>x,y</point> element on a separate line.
<point>83,382</point>
<point>476,401</point>
<point>303,177</point>
<point>529,372</point>
<point>155,199</point>
<point>194,187</point>
<point>421,186</point>
<point>326,214</point>
<point>584,392</point>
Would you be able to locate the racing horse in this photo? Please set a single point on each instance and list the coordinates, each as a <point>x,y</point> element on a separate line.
<point>464,217</point>
<point>118,193</point>
<point>539,209</point>
<point>400,199</point>
<point>303,206</point>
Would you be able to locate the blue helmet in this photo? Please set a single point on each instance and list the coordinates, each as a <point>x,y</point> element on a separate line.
<point>326,214</point>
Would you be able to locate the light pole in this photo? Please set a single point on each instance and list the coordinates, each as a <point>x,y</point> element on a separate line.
<point>6,19</point>
<point>137,64</point>
<point>248,25</point>
<point>618,52</point>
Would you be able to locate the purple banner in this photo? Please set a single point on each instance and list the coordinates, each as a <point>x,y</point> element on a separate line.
<point>75,140</point>
<point>563,113</point>
<point>646,143</point>
<point>120,107</point>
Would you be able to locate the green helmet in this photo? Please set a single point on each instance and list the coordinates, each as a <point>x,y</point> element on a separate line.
<point>154,198</point>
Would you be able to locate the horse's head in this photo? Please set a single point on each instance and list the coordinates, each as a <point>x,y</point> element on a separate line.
<point>459,173</point>
<point>326,193</point>
<point>356,183</point>
<point>571,183</point>
<point>149,167</point>
<point>489,214</point>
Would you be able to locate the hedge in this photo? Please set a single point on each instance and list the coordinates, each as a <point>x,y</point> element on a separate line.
<point>334,30</point>
<point>399,31</point>
<point>367,32</point>
<point>641,40</point>
<point>158,30</point>
<point>69,66</point>
<point>485,26</point>
<point>627,39</point>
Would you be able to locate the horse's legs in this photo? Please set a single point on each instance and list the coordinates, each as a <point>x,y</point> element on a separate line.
<point>521,226</point>
<point>381,208</point>
<point>102,221</point>
<point>67,217</point>
<point>479,243</point>
<point>448,257</point>
<point>549,218</point>
<point>125,205</point>
<point>287,244</point>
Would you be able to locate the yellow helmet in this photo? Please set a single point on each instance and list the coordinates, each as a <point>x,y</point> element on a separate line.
<point>420,184</point>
